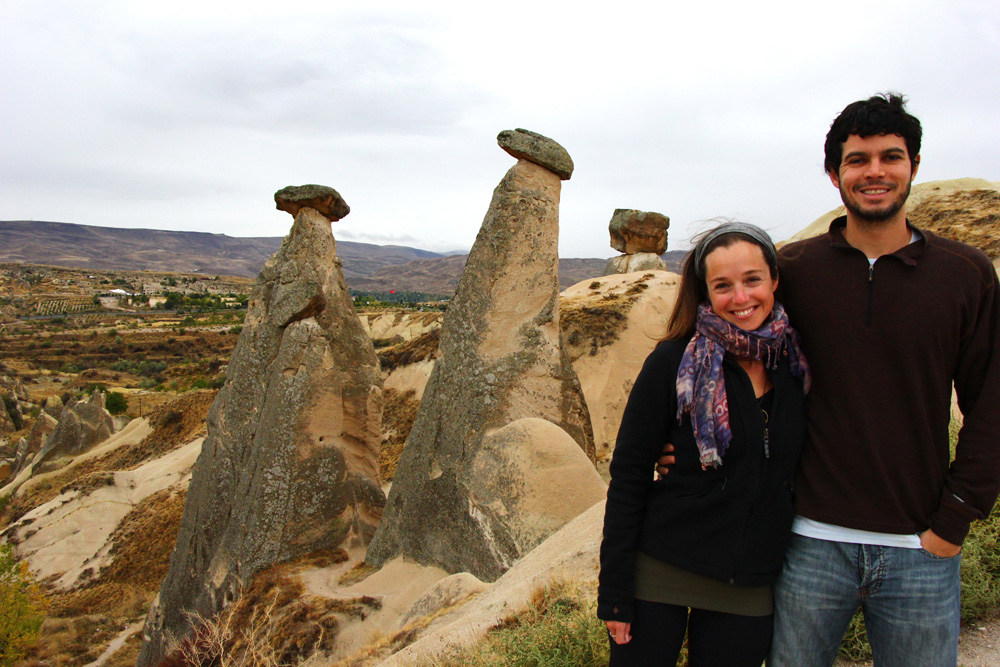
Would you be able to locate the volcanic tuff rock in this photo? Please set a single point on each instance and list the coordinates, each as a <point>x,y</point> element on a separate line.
<point>81,426</point>
<point>53,405</point>
<point>6,422</point>
<point>326,200</point>
<point>638,231</point>
<point>43,427</point>
<point>501,360</point>
<point>290,462</point>
<point>640,261</point>
<point>531,146</point>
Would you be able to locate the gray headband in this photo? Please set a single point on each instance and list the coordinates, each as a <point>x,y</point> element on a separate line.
<point>745,228</point>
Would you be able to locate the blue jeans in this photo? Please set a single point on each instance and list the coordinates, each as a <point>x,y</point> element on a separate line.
<point>910,599</point>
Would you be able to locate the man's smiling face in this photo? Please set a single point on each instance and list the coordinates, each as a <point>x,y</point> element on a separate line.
<point>874,177</point>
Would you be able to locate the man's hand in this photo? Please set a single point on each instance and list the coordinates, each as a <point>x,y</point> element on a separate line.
<point>938,546</point>
<point>665,461</point>
<point>621,633</point>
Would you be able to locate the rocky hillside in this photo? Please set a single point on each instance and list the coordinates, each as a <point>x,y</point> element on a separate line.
<point>366,266</point>
<point>964,209</point>
<point>83,521</point>
<point>85,246</point>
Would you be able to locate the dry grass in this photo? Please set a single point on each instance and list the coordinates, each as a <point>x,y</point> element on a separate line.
<point>557,628</point>
<point>127,654</point>
<point>969,216</point>
<point>359,572</point>
<point>418,349</point>
<point>71,642</point>
<point>83,621</point>
<point>592,324</point>
<point>271,623</point>
<point>399,409</point>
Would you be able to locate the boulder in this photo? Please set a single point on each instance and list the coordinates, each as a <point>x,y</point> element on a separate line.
<point>326,200</point>
<point>531,146</point>
<point>641,261</point>
<point>81,426</point>
<point>501,360</point>
<point>290,460</point>
<point>638,231</point>
<point>53,405</point>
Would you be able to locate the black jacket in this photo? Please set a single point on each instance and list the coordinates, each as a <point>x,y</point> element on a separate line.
<point>730,523</point>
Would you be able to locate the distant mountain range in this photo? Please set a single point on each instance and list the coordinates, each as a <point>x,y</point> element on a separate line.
<point>366,266</point>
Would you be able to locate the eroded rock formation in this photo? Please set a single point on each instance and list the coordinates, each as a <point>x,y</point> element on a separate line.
<point>290,462</point>
<point>81,426</point>
<point>641,237</point>
<point>501,360</point>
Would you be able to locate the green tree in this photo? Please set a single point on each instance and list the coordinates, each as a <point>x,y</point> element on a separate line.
<point>116,403</point>
<point>22,606</point>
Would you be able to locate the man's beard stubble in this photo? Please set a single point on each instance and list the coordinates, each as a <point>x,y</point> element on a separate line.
<point>876,216</point>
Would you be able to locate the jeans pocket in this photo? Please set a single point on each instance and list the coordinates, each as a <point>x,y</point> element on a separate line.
<point>935,556</point>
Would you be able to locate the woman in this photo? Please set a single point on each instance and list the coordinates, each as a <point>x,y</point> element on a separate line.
<point>699,548</point>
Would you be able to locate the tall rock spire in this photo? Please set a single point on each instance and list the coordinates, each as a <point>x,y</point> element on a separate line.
<point>501,361</point>
<point>290,462</point>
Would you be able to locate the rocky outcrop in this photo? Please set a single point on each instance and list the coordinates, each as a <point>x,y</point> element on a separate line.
<point>6,421</point>
<point>43,427</point>
<point>53,405</point>
<point>501,360</point>
<point>81,426</point>
<point>641,236</point>
<point>640,261</point>
<point>638,231</point>
<point>611,326</point>
<point>290,461</point>
<point>321,198</point>
<point>531,146</point>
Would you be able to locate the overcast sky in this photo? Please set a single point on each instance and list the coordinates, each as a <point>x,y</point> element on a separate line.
<point>190,115</point>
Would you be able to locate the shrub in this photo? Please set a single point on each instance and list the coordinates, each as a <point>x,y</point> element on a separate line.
<point>116,403</point>
<point>22,607</point>
<point>558,629</point>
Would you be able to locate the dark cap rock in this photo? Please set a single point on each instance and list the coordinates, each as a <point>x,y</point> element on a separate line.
<point>638,231</point>
<point>531,146</point>
<point>324,199</point>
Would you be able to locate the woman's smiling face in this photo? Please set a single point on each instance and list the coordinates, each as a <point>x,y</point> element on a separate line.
<point>740,286</point>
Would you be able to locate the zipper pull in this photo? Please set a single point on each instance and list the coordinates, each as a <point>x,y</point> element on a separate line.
<point>767,447</point>
<point>871,272</point>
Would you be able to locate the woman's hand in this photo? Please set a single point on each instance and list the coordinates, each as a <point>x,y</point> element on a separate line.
<point>621,633</point>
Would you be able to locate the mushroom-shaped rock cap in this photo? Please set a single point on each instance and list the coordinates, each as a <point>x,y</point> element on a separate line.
<point>638,231</point>
<point>324,199</point>
<point>531,146</point>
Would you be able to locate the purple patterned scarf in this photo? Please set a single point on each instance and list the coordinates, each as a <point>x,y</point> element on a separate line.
<point>701,387</point>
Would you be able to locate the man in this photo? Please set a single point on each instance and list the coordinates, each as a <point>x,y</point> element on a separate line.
<point>891,318</point>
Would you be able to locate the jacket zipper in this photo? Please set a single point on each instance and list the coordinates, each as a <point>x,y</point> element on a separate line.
<point>746,524</point>
<point>871,293</point>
